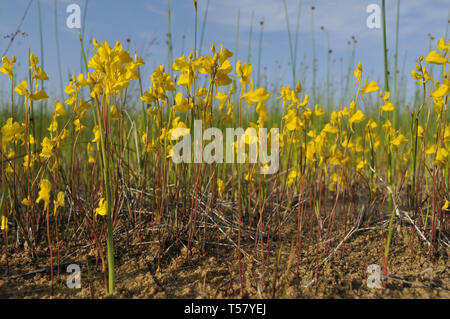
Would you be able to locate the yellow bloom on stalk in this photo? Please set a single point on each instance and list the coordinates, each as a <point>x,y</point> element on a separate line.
<point>41,75</point>
<point>115,115</point>
<point>12,132</point>
<point>244,71</point>
<point>78,125</point>
<point>292,176</point>
<point>179,129</point>
<point>4,225</point>
<point>388,107</point>
<point>53,125</point>
<point>7,67</point>
<point>258,95</point>
<point>361,164</point>
<point>26,201</point>
<point>22,88</point>
<point>90,152</point>
<point>370,87</point>
<point>358,73</point>
<point>399,140</point>
<point>431,150</point>
<point>39,96</point>
<point>59,202</point>
<point>446,206</point>
<point>49,147</point>
<point>335,179</point>
<point>441,91</point>
<point>292,120</point>
<point>44,193</point>
<point>101,209</point>
<point>358,117</point>
<point>220,187</point>
<point>371,125</point>
<point>34,60</point>
<point>435,58</point>
<point>442,46</point>
<point>318,111</point>
<point>420,131</point>
<point>59,109</point>
<point>28,162</point>
<point>441,157</point>
<point>148,147</point>
<point>182,104</point>
<point>328,128</point>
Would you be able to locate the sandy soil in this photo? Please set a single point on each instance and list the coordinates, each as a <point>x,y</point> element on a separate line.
<point>214,273</point>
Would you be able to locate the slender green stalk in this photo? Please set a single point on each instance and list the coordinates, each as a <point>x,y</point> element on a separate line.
<point>195,32</point>
<point>169,40</point>
<point>386,72</point>
<point>297,30</point>
<point>58,52</point>
<point>105,168</point>
<point>205,18</point>
<point>291,49</point>
<point>397,27</point>
<point>83,29</point>
<point>41,40</point>
<point>250,37</point>
<point>237,36</point>
<point>314,56</point>
<point>261,23</point>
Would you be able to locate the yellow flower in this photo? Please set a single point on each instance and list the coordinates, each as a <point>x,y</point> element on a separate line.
<point>358,72</point>
<point>4,225</point>
<point>21,89</point>
<point>44,193</point>
<point>11,132</point>
<point>48,148</point>
<point>7,67</point>
<point>446,206</point>
<point>220,187</point>
<point>39,96</point>
<point>26,201</point>
<point>292,120</point>
<point>399,140</point>
<point>179,129</point>
<point>361,164</point>
<point>78,125</point>
<point>442,45</point>
<point>101,209</point>
<point>182,104</point>
<point>441,91</point>
<point>435,58</point>
<point>388,107</point>
<point>441,157</point>
<point>318,111</point>
<point>59,109</point>
<point>114,113</point>
<point>330,129</point>
<point>369,88</point>
<point>292,176</point>
<point>59,202</point>
<point>258,95</point>
<point>244,71</point>
<point>358,117</point>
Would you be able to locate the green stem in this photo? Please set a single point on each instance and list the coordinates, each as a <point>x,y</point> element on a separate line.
<point>386,77</point>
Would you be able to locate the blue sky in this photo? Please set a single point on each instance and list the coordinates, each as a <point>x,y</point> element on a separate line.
<point>145,23</point>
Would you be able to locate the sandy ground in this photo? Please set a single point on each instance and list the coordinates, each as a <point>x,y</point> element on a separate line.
<point>214,273</point>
